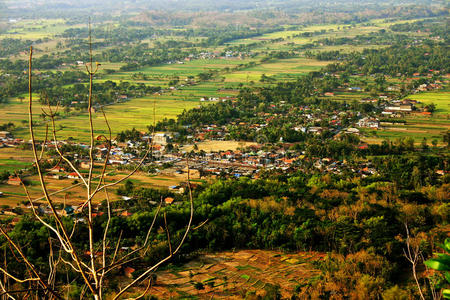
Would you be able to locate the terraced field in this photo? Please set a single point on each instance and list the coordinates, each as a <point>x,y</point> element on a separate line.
<point>233,275</point>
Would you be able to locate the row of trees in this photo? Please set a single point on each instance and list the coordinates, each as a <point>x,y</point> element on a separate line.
<point>105,93</point>
<point>397,60</point>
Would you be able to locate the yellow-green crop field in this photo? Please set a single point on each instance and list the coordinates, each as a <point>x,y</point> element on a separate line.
<point>138,113</point>
<point>420,127</point>
<point>440,98</point>
<point>280,69</point>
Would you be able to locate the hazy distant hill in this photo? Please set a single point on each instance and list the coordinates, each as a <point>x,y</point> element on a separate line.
<point>195,5</point>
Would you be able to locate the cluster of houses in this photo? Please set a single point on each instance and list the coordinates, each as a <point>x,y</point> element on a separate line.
<point>7,140</point>
<point>216,55</point>
<point>399,107</point>
<point>217,99</point>
<point>244,162</point>
<point>250,160</point>
<point>428,87</point>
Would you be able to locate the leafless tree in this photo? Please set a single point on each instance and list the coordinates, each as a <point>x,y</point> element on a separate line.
<point>413,255</point>
<point>95,270</point>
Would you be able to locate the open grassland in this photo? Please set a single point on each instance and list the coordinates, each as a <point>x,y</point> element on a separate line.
<point>231,275</point>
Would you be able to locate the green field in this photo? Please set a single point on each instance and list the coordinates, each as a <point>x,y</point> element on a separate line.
<point>440,98</point>
<point>12,165</point>
<point>420,127</point>
<point>330,31</point>
<point>416,133</point>
<point>16,111</point>
<point>138,113</point>
<point>37,29</point>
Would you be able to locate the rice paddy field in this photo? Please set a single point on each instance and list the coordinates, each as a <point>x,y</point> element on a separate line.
<point>235,275</point>
<point>291,39</point>
<point>160,75</point>
<point>419,127</point>
<point>138,113</point>
<point>210,146</point>
<point>440,98</point>
<point>16,110</point>
<point>37,29</point>
<point>70,191</point>
<point>280,69</point>
<point>13,160</point>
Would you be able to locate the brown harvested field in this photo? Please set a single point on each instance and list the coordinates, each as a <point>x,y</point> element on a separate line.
<point>76,193</point>
<point>230,275</point>
<point>210,146</point>
<point>12,159</point>
<point>405,129</point>
<point>158,181</point>
<point>58,189</point>
<point>13,153</point>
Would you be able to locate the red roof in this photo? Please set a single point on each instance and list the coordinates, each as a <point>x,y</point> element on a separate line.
<point>363,146</point>
<point>128,271</point>
<point>169,200</point>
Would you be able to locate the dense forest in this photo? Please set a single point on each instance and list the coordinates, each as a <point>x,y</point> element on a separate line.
<point>362,219</point>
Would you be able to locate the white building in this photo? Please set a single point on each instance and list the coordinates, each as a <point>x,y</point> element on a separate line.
<point>162,139</point>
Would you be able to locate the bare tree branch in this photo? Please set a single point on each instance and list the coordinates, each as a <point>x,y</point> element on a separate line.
<point>63,256</point>
<point>188,227</point>
<point>413,254</point>
<point>42,181</point>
